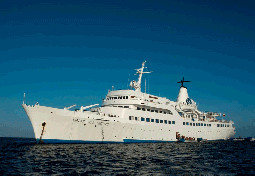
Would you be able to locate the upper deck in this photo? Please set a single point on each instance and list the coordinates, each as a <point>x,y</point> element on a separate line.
<point>132,97</point>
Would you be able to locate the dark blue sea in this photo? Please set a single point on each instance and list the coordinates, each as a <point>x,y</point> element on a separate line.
<point>20,156</point>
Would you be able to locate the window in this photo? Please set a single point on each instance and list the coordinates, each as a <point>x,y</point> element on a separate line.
<point>160,111</point>
<point>152,110</point>
<point>218,125</point>
<point>210,125</point>
<point>169,122</point>
<point>194,124</point>
<point>165,121</point>
<point>136,118</point>
<point>157,120</point>
<point>227,125</point>
<point>198,124</point>
<point>143,109</point>
<point>126,97</point>
<point>161,121</point>
<point>126,106</point>
<point>142,119</point>
<point>173,122</point>
<point>138,108</point>
<point>123,97</point>
<point>130,117</point>
<point>115,97</point>
<point>152,120</point>
<point>147,119</point>
<point>164,112</point>
<point>190,124</point>
<point>187,123</point>
<point>156,111</point>
<point>183,123</point>
<point>202,124</point>
<point>148,109</point>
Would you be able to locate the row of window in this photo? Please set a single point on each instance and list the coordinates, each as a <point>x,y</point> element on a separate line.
<point>196,124</point>
<point>122,106</point>
<point>155,110</point>
<point>151,120</point>
<point>223,125</point>
<point>119,97</point>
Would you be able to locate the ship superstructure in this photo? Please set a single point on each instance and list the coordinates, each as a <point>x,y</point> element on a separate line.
<point>129,116</point>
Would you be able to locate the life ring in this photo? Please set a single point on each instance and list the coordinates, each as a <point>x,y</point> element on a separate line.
<point>188,101</point>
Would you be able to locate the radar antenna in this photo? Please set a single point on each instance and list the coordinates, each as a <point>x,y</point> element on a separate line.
<point>182,81</point>
<point>137,84</point>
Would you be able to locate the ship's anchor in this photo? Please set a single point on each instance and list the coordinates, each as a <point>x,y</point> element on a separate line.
<point>43,125</point>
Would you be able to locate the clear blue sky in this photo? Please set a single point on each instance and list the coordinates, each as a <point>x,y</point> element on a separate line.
<point>71,52</point>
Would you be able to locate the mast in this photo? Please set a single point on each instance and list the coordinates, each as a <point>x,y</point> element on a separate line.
<point>137,84</point>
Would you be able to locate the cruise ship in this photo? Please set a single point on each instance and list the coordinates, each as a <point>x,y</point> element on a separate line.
<point>129,116</point>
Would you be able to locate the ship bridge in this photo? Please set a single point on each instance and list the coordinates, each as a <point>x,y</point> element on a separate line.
<point>134,98</point>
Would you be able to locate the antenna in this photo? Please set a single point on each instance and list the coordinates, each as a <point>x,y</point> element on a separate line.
<point>182,81</point>
<point>24,98</point>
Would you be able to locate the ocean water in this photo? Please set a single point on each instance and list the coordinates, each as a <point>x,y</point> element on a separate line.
<point>19,156</point>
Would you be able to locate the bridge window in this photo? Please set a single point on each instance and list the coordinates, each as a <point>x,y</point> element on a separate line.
<point>157,120</point>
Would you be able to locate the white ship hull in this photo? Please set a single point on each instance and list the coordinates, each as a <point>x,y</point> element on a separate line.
<point>64,126</point>
<point>129,116</point>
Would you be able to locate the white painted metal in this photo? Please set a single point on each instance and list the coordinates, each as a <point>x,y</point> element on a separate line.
<point>128,114</point>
